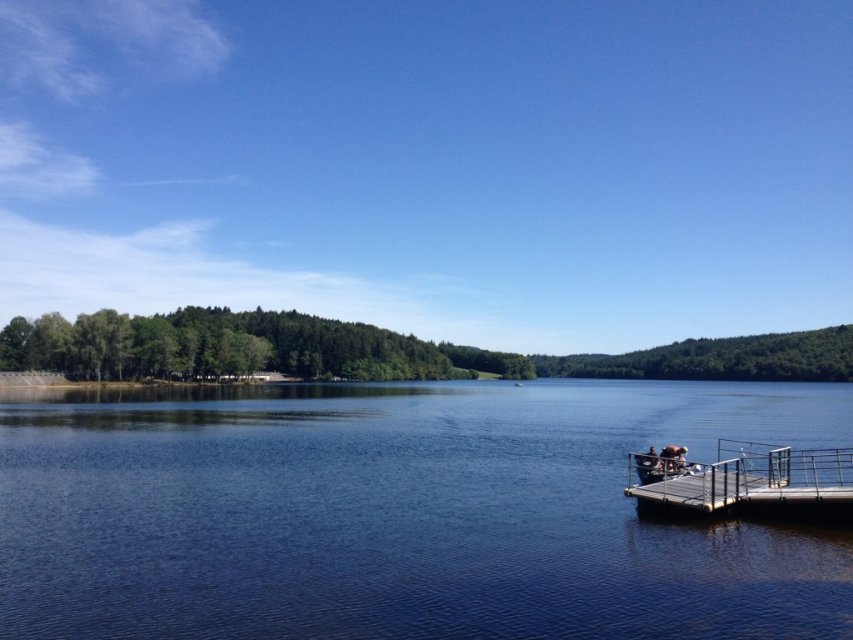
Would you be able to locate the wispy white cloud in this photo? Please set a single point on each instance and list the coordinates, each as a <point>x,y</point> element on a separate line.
<point>163,32</point>
<point>49,268</point>
<point>35,48</point>
<point>28,169</point>
<point>171,235</point>
<point>45,268</point>
<point>53,45</point>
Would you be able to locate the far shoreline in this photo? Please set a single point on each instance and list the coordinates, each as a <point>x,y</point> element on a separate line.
<point>23,380</point>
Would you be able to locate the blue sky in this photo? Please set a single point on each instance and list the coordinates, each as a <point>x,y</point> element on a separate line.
<point>539,177</point>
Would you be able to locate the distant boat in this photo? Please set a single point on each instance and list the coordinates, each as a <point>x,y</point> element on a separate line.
<point>518,384</point>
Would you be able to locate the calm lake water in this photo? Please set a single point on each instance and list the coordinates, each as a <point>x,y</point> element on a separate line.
<point>428,510</point>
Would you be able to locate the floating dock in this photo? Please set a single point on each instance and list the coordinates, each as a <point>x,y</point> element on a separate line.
<point>761,479</point>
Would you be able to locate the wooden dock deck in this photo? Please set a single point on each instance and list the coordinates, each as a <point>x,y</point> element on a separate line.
<point>698,492</point>
<point>694,492</point>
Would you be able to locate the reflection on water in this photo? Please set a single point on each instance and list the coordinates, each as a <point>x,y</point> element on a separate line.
<point>749,550</point>
<point>109,394</point>
<point>119,420</point>
<point>424,510</point>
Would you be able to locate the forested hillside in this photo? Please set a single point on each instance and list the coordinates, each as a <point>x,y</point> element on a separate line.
<point>825,355</point>
<point>509,365</point>
<point>213,342</point>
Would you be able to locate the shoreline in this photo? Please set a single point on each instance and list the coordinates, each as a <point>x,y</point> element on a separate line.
<point>38,380</point>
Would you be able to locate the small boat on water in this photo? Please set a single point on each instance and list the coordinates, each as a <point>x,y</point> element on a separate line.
<point>648,469</point>
<point>649,473</point>
<point>652,467</point>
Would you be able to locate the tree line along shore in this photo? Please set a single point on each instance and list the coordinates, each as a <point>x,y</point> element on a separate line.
<point>213,343</point>
<point>823,355</point>
<point>203,344</point>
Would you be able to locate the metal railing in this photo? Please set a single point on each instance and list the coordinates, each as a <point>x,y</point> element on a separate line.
<point>750,452</point>
<point>779,467</point>
<point>731,490</point>
<point>756,465</point>
<point>760,458</point>
<point>721,483</point>
<point>794,468</point>
<point>821,468</point>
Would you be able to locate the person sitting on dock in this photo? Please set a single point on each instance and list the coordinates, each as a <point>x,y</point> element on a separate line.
<point>673,457</point>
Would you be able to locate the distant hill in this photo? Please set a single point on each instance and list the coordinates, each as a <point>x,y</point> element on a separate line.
<point>196,342</point>
<point>824,355</point>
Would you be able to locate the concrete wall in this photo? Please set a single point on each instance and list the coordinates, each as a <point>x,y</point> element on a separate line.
<point>31,378</point>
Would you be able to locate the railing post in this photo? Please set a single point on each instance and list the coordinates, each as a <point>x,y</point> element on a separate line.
<point>770,469</point>
<point>737,480</point>
<point>816,482</point>
<point>713,485</point>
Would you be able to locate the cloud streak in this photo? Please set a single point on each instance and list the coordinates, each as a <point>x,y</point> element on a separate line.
<point>163,32</point>
<point>53,46</point>
<point>48,268</point>
<point>229,180</point>
<point>28,169</point>
<point>37,49</point>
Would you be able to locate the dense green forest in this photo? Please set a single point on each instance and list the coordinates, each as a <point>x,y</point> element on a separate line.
<point>510,365</point>
<point>194,342</point>
<point>825,355</point>
<point>210,343</point>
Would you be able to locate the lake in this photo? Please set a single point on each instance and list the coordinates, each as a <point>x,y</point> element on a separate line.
<point>402,510</point>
